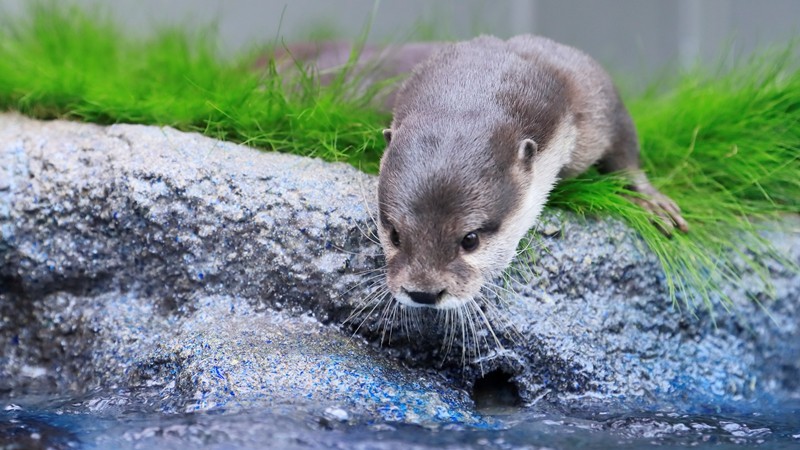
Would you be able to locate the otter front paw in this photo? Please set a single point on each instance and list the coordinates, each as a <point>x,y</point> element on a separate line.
<point>662,206</point>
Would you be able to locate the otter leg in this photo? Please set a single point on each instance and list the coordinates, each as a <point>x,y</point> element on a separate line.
<point>623,156</point>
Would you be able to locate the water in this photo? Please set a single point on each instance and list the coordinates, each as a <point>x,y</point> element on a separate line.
<point>125,420</point>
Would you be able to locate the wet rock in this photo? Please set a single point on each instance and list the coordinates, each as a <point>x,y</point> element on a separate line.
<point>126,262</point>
<point>225,277</point>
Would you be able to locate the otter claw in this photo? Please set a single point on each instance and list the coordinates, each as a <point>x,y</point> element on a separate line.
<point>667,211</point>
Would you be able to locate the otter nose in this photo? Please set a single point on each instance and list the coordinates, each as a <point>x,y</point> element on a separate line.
<point>426,298</point>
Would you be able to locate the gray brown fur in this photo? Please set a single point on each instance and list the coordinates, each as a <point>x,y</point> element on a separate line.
<point>525,86</point>
<point>455,162</point>
<point>374,64</point>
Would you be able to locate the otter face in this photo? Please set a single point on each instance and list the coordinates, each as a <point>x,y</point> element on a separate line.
<point>449,213</point>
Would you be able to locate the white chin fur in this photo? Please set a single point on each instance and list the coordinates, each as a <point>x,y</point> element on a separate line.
<point>451,302</point>
<point>447,302</point>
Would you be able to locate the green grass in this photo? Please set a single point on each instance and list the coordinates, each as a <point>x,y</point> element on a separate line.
<point>724,145</point>
<point>64,62</point>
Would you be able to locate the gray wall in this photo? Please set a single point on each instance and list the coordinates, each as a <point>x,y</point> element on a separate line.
<point>631,37</point>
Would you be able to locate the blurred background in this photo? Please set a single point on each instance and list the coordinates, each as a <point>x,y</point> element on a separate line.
<point>634,39</point>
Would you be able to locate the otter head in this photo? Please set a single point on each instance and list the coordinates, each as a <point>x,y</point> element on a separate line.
<point>452,210</point>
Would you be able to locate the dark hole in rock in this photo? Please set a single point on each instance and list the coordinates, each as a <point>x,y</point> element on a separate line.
<point>496,393</point>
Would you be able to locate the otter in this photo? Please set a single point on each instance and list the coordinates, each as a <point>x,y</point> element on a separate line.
<point>481,132</point>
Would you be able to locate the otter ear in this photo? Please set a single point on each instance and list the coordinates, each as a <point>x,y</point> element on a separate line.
<point>387,135</point>
<point>528,148</point>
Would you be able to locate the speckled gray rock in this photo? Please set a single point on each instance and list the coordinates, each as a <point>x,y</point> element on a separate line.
<point>127,261</point>
<point>142,256</point>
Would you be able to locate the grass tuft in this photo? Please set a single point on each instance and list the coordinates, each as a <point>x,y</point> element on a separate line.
<point>725,146</point>
<point>64,62</point>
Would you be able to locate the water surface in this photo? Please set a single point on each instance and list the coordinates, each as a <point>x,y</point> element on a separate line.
<point>125,420</point>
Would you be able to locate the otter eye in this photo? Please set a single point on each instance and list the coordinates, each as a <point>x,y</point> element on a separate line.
<point>470,242</point>
<point>394,236</point>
